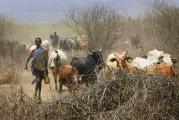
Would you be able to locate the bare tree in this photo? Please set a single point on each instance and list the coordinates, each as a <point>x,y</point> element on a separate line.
<point>4,27</point>
<point>99,23</point>
<point>164,17</point>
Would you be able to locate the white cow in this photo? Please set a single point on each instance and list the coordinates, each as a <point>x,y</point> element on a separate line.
<point>152,58</point>
<point>155,54</point>
<point>57,59</point>
<point>140,63</point>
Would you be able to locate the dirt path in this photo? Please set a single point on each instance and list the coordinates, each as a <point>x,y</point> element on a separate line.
<point>48,90</point>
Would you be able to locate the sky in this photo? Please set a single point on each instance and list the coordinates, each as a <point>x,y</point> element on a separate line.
<point>48,11</point>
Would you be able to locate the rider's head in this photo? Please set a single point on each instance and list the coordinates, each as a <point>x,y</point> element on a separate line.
<point>38,41</point>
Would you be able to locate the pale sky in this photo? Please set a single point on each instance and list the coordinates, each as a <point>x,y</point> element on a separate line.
<point>47,11</point>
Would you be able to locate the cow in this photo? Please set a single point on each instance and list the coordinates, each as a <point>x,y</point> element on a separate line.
<point>112,65</point>
<point>156,62</point>
<point>161,67</point>
<point>57,59</point>
<point>83,43</point>
<point>152,58</point>
<point>68,44</point>
<point>88,66</point>
<point>114,62</point>
<point>68,77</point>
<point>74,43</point>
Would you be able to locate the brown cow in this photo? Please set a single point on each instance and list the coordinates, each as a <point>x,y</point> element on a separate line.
<point>117,61</point>
<point>68,77</point>
<point>161,68</point>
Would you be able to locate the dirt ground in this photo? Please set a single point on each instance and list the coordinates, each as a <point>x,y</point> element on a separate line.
<point>48,92</point>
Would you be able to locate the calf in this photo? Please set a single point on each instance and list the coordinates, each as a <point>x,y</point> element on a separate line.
<point>68,77</point>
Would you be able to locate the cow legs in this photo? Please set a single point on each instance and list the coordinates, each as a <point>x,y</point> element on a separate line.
<point>56,84</point>
<point>55,78</point>
<point>60,85</point>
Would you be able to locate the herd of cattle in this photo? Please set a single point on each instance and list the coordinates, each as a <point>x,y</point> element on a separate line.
<point>73,43</point>
<point>67,44</point>
<point>156,62</point>
<point>85,69</point>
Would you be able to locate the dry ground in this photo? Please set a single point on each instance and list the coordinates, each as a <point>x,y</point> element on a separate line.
<point>48,90</point>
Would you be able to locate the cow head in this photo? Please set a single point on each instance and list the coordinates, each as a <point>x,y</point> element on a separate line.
<point>55,60</point>
<point>122,58</point>
<point>174,60</point>
<point>98,59</point>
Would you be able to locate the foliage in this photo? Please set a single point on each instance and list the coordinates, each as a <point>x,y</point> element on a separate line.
<point>99,23</point>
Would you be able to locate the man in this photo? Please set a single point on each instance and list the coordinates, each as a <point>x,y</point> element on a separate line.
<point>39,67</point>
<point>55,39</point>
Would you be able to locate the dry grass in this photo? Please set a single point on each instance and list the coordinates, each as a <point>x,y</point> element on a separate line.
<point>129,96</point>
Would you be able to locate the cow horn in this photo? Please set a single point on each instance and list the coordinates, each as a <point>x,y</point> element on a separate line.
<point>126,52</point>
<point>100,49</point>
<point>128,58</point>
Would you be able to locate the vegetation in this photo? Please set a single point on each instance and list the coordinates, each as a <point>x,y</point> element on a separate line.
<point>99,23</point>
<point>129,96</point>
<point>164,23</point>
